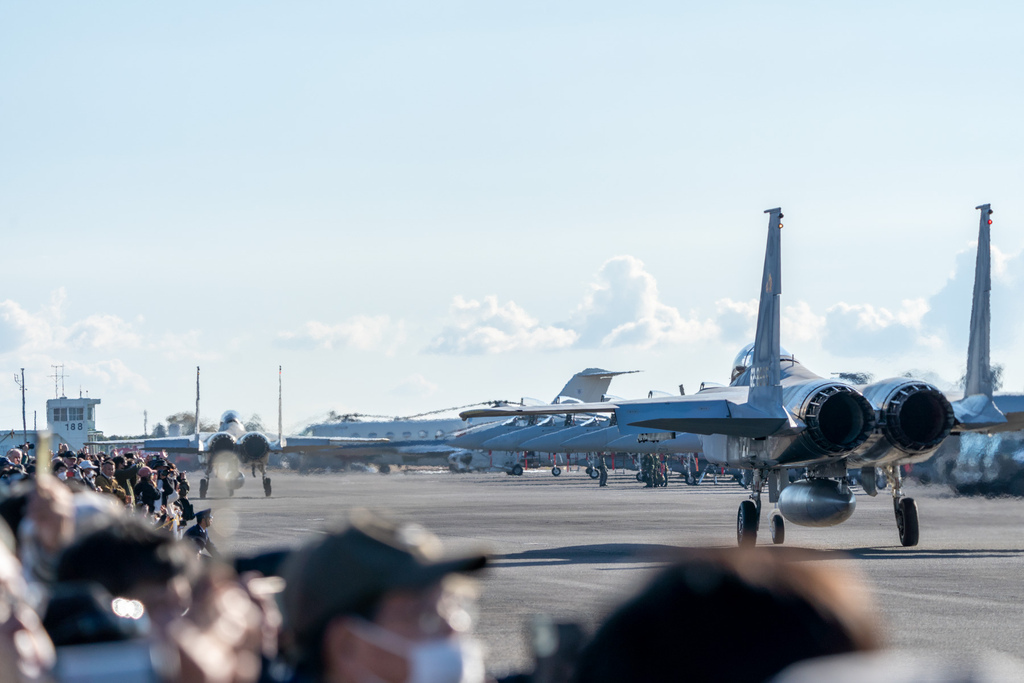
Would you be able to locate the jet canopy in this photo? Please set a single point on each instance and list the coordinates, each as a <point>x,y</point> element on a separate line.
<point>746,356</point>
<point>231,416</point>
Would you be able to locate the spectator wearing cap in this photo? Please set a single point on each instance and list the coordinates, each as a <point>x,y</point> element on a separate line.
<point>87,474</point>
<point>377,602</point>
<point>199,533</point>
<point>146,493</point>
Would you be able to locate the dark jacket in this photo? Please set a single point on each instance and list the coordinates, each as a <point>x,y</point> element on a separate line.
<point>146,494</point>
<point>201,538</point>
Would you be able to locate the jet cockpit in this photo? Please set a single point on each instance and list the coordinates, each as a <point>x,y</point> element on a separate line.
<point>746,356</point>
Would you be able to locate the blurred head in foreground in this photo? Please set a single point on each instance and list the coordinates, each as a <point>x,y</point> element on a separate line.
<point>376,601</point>
<point>26,653</point>
<point>763,609</point>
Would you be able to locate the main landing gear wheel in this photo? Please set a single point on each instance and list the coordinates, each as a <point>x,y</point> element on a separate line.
<point>778,528</point>
<point>517,469</point>
<point>555,471</point>
<point>594,473</point>
<point>746,524</point>
<point>385,469</point>
<point>691,478</point>
<point>204,485</point>
<point>266,486</point>
<point>639,476</point>
<point>906,521</point>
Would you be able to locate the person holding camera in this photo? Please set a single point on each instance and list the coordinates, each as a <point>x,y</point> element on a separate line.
<point>146,493</point>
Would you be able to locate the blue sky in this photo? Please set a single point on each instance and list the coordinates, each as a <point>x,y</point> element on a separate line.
<point>411,207</point>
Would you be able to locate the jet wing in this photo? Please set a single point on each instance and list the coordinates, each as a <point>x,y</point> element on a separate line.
<point>718,411</point>
<point>708,415</point>
<point>553,409</point>
<point>308,443</point>
<point>173,444</point>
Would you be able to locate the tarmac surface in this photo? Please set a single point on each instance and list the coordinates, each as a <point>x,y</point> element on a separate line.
<point>564,547</point>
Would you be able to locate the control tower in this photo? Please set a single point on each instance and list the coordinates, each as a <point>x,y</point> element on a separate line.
<point>72,420</point>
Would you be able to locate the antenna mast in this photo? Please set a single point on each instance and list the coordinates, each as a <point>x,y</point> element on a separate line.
<point>58,380</point>
<point>24,423</point>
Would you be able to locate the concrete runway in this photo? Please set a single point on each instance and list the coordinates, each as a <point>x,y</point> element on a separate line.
<point>564,547</point>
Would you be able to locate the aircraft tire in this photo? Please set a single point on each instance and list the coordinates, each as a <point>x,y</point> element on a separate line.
<point>639,476</point>
<point>266,486</point>
<point>691,479</point>
<point>594,473</point>
<point>589,469</point>
<point>555,471</point>
<point>746,524</point>
<point>907,522</point>
<point>204,485</point>
<point>385,469</point>
<point>517,470</point>
<point>778,528</point>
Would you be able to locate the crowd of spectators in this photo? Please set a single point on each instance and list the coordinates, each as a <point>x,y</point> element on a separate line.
<point>101,581</point>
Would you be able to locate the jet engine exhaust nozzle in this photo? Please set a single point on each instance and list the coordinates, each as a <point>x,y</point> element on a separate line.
<point>817,502</point>
<point>917,417</point>
<point>838,418</point>
<point>220,442</point>
<point>252,447</point>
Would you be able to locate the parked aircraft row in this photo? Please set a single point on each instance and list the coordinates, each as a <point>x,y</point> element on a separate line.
<point>776,415</point>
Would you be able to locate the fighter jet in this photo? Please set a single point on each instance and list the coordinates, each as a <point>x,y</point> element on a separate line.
<point>776,415</point>
<point>234,446</point>
<point>584,387</point>
<point>436,440</point>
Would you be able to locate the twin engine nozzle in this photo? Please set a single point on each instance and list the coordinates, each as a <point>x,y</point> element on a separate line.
<point>908,416</point>
<point>249,448</point>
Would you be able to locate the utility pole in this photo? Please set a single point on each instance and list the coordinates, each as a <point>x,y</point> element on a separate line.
<point>145,423</point>
<point>24,425</point>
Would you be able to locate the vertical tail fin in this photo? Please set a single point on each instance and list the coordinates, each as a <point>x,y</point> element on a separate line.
<point>280,404</point>
<point>589,385</point>
<point>766,369</point>
<point>197,401</point>
<point>979,369</point>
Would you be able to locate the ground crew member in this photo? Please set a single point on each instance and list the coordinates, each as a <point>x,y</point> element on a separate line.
<point>199,534</point>
<point>603,470</point>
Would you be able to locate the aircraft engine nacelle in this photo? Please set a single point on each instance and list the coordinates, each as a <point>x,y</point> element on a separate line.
<point>252,447</point>
<point>838,420</point>
<point>914,417</point>
<point>817,502</point>
<point>220,442</point>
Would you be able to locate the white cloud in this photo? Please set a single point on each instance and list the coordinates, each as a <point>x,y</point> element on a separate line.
<point>415,386</point>
<point>864,329</point>
<point>184,346</point>
<point>361,332</point>
<point>802,325</point>
<point>102,332</point>
<point>109,372</point>
<point>623,308</point>
<point>486,326</point>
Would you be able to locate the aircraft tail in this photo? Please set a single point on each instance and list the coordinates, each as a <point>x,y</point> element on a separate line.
<point>979,369</point>
<point>589,385</point>
<point>766,368</point>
